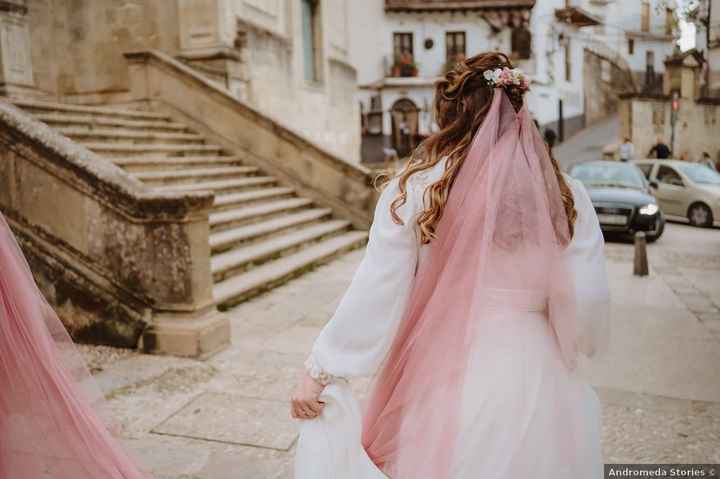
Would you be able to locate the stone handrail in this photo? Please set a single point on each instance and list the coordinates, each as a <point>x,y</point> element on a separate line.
<point>114,257</point>
<point>169,84</point>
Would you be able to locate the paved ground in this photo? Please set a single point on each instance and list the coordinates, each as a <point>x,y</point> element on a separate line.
<point>588,143</point>
<point>227,417</point>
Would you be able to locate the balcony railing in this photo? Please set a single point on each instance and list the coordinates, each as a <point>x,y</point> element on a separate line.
<point>440,5</point>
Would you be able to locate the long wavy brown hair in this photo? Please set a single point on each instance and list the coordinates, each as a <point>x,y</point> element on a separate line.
<point>462,100</point>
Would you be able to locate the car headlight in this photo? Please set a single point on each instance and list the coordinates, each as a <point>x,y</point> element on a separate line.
<point>649,210</point>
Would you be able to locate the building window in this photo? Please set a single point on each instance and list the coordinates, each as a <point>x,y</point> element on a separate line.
<point>669,21</point>
<point>455,47</point>
<point>521,43</point>
<point>645,16</point>
<point>658,114</point>
<point>312,53</point>
<point>631,46</point>
<point>402,45</point>
<point>568,60</point>
<point>650,60</point>
<point>404,61</point>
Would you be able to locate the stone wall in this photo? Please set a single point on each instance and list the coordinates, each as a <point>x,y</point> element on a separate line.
<point>643,118</point>
<point>77,45</point>
<point>120,263</point>
<point>603,82</point>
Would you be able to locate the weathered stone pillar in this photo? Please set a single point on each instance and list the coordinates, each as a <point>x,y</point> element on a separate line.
<point>16,73</point>
<point>207,44</point>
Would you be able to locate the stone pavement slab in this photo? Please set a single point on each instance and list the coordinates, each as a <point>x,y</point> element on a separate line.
<point>233,419</point>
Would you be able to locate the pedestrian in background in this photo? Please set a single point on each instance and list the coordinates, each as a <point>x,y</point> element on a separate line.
<point>550,136</point>
<point>627,150</point>
<point>659,150</point>
<point>707,161</point>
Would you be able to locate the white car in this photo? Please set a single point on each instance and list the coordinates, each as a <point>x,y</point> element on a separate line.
<point>685,191</point>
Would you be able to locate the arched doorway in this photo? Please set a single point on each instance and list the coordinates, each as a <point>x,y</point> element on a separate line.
<point>405,120</point>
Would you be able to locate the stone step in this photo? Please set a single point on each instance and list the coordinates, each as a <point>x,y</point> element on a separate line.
<point>273,273</point>
<point>146,165</point>
<point>125,136</point>
<point>224,240</point>
<point>89,122</point>
<point>153,151</point>
<point>45,106</point>
<point>194,175</point>
<point>231,218</point>
<point>231,185</point>
<point>228,201</point>
<point>236,261</point>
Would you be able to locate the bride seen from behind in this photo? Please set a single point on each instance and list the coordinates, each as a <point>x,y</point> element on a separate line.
<point>482,286</point>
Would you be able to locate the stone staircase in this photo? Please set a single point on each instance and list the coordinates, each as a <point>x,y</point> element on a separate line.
<point>261,232</point>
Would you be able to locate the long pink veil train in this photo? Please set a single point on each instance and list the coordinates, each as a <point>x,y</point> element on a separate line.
<point>499,246</point>
<point>49,422</point>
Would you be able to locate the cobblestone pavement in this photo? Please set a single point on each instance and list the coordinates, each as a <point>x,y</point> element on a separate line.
<point>227,417</point>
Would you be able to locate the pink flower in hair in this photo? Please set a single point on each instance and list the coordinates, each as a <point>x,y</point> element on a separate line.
<point>504,77</point>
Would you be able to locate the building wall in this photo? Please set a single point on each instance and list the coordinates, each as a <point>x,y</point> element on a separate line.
<point>273,61</point>
<point>549,81</point>
<point>643,119</point>
<point>77,46</point>
<point>623,19</point>
<point>372,53</point>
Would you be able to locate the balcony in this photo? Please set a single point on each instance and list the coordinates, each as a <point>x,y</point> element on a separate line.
<point>404,66</point>
<point>455,5</point>
<point>577,16</point>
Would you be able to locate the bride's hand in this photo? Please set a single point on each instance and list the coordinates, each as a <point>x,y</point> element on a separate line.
<point>305,399</point>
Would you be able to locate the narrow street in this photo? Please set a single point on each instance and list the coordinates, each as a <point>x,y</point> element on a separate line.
<point>227,417</point>
<point>588,144</point>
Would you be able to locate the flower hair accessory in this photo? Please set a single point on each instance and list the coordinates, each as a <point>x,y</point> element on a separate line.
<point>506,77</point>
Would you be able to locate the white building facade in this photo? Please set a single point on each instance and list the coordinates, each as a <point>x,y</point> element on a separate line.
<point>580,55</point>
<point>707,42</point>
<point>401,47</point>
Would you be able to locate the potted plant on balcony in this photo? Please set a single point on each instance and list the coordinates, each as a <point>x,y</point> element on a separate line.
<point>405,66</point>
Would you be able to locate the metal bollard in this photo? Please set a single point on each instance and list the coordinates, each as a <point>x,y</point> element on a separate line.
<point>640,263</point>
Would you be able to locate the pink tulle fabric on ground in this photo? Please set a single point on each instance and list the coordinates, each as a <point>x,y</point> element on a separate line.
<point>499,249</point>
<point>49,422</point>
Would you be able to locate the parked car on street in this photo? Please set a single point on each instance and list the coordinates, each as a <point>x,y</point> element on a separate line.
<point>621,197</point>
<point>685,191</point>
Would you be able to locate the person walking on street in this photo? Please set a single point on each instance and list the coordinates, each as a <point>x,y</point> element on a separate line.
<point>659,150</point>
<point>627,150</point>
<point>707,161</point>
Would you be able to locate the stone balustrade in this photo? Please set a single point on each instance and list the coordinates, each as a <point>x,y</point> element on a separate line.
<point>121,263</point>
<point>175,88</point>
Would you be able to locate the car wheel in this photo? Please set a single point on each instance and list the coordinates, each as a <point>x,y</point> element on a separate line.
<point>699,214</point>
<point>651,238</point>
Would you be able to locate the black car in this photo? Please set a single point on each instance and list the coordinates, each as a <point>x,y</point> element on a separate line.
<point>621,197</point>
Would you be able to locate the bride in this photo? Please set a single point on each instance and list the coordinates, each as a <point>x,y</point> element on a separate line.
<point>482,291</point>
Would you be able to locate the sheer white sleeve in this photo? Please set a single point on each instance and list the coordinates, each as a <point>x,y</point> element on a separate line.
<point>587,260</point>
<point>357,338</point>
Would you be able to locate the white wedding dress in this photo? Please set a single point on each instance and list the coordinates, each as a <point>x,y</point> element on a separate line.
<point>521,408</point>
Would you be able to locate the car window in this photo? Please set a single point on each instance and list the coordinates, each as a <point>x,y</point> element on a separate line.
<point>669,176</point>
<point>646,168</point>
<point>610,174</point>
<point>700,174</point>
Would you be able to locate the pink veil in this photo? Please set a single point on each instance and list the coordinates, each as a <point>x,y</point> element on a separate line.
<point>49,425</point>
<point>499,245</point>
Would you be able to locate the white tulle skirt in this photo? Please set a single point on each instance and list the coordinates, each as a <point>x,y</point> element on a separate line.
<point>524,414</point>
